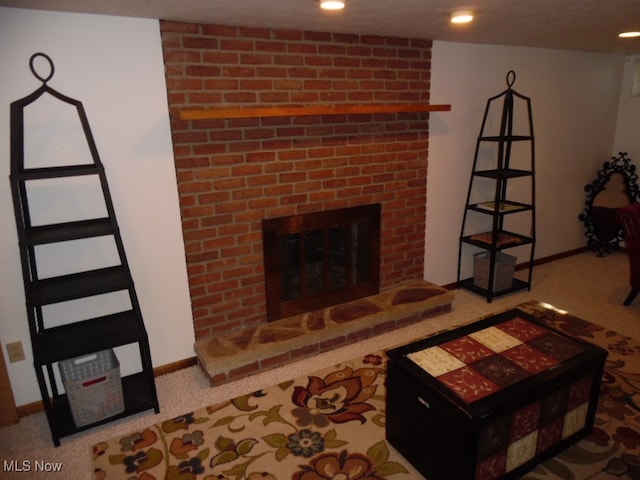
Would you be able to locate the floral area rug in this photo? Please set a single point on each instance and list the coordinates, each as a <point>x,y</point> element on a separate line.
<point>331,425</point>
<point>326,425</point>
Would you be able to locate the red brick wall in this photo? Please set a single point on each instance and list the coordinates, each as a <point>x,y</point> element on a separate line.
<point>232,173</point>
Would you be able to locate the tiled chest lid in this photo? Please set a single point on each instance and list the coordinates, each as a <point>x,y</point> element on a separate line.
<point>488,360</point>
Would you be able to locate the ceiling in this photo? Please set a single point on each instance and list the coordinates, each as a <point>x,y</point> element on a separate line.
<point>586,25</point>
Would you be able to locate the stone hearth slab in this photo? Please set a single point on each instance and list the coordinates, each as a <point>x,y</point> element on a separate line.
<point>224,358</point>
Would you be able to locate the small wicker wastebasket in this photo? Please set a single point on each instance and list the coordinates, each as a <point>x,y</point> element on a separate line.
<point>93,386</point>
<point>503,274</point>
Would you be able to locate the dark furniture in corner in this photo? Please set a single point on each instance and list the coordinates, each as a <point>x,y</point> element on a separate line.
<point>629,219</point>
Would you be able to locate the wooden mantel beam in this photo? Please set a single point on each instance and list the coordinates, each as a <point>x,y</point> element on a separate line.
<point>345,109</point>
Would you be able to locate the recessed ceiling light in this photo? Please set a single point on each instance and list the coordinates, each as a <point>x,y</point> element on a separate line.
<point>462,16</point>
<point>332,4</point>
<point>629,34</point>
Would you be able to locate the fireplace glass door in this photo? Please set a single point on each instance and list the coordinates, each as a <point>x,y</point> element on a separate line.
<point>320,259</point>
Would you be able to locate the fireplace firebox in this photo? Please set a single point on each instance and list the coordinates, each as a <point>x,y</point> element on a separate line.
<point>315,260</point>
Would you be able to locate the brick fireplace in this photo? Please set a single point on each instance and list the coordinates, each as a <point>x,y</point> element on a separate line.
<point>233,173</point>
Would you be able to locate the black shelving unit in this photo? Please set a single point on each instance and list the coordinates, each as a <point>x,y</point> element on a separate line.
<point>52,344</point>
<point>493,219</point>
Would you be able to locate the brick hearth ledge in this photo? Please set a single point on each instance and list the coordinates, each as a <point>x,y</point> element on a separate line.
<point>269,345</point>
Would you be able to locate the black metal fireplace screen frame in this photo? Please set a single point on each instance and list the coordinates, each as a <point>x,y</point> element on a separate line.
<point>319,259</point>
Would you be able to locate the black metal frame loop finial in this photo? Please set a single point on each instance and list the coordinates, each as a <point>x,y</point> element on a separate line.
<point>511,78</point>
<point>33,70</point>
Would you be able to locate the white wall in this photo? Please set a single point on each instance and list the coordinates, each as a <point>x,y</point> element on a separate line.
<point>627,137</point>
<point>115,67</point>
<point>574,100</point>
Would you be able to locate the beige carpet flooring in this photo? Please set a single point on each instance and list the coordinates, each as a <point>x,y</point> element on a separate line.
<point>589,287</point>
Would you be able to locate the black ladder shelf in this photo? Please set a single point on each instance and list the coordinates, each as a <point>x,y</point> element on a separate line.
<point>500,208</point>
<point>54,343</point>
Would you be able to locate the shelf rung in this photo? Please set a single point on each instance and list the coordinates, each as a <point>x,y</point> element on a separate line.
<point>84,337</point>
<point>505,240</point>
<point>61,232</point>
<point>506,138</point>
<point>470,285</point>
<point>78,285</point>
<point>503,173</point>
<point>56,172</point>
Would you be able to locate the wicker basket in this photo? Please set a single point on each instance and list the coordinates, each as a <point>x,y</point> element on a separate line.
<point>503,273</point>
<point>93,386</point>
